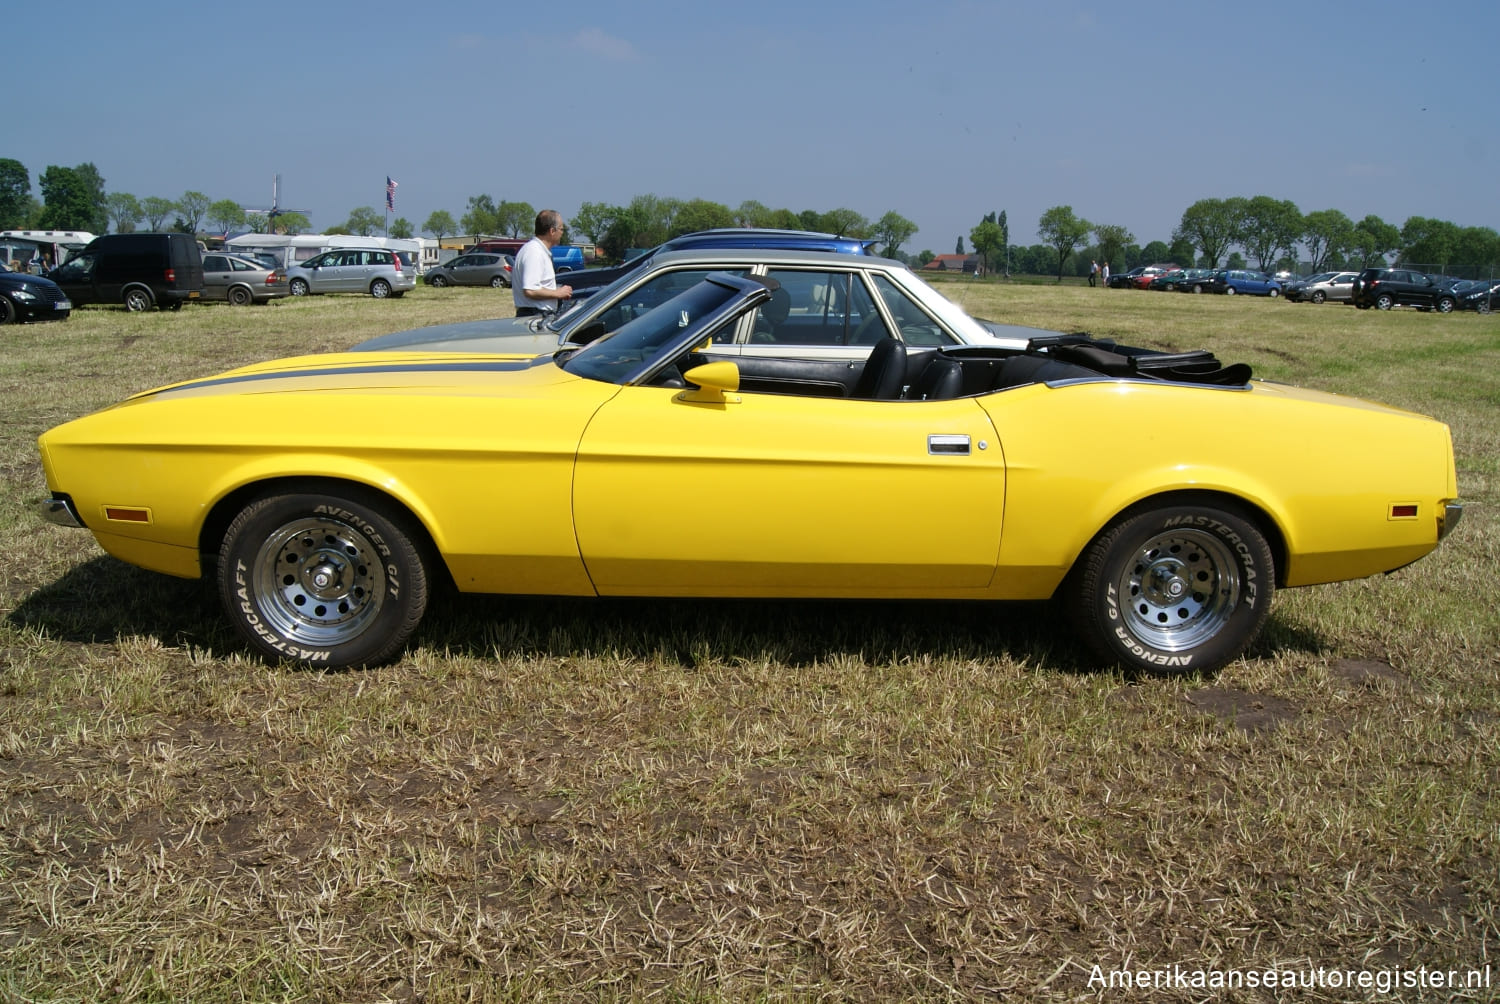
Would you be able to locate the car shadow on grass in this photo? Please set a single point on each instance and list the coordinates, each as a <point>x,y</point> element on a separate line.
<point>104,600</point>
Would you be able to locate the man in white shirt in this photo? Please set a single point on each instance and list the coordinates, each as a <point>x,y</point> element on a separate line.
<point>533,279</point>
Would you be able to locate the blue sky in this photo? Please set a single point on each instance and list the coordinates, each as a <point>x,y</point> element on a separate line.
<point>940,111</point>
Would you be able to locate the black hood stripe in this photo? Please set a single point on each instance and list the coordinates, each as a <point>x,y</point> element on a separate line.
<point>313,371</point>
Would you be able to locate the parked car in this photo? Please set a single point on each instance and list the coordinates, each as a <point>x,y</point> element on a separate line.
<point>140,271</point>
<point>1321,287</point>
<point>1126,280</point>
<point>476,268</point>
<point>352,270</point>
<point>239,280</point>
<point>1179,278</point>
<point>1149,274</point>
<point>26,297</point>
<point>1482,295</point>
<point>1165,556</point>
<point>830,306</point>
<point>1384,288</point>
<point>586,282</point>
<point>1232,281</point>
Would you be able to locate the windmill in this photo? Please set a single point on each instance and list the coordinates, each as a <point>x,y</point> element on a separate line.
<point>276,209</point>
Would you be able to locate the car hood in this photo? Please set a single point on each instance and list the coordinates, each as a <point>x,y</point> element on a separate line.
<point>513,335</point>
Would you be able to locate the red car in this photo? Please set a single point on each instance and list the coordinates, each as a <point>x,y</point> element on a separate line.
<point>1143,280</point>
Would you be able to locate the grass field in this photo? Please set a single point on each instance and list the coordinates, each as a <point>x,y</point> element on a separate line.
<point>701,801</point>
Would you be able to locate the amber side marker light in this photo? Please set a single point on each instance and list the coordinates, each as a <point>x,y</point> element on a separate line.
<point>124,514</point>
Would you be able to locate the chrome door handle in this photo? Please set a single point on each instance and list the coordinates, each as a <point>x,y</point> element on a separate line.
<point>948,445</point>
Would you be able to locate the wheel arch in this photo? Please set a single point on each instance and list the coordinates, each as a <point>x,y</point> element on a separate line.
<point>1253,511</point>
<point>222,513</point>
<point>126,290</point>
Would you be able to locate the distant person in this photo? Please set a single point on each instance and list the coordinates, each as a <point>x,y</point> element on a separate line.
<point>1093,272</point>
<point>533,279</point>
<point>1104,273</point>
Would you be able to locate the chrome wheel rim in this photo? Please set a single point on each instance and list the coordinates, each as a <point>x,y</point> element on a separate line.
<point>319,581</point>
<point>1179,589</point>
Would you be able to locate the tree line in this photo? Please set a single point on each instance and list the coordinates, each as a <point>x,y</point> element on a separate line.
<point>1273,233</point>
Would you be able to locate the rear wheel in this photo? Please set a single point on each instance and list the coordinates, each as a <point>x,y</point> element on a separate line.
<point>240,296</point>
<point>380,289</point>
<point>1181,588</point>
<point>1275,293</point>
<point>497,282</point>
<point>137,300</point>
<point>1228,290</point>
<point>1384,302</point>
<point>323,580</point>
<point>1197,288</point>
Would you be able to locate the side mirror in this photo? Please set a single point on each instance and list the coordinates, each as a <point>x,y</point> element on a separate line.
<point>715,382</point>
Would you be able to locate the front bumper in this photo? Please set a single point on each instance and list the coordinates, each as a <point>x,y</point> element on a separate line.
<point>58,508</point>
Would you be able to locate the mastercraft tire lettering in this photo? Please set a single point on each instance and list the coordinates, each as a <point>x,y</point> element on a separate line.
<point>327,582</point>
<point>1176,589</point>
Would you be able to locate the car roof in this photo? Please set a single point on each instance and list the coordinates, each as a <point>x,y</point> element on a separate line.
<point>770,256</point>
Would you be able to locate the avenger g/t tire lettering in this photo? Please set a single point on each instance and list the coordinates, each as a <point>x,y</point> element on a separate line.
<point>1175,589</point>
<point>326,581</point>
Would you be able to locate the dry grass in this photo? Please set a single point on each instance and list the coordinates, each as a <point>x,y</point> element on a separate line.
<point>563,800</point>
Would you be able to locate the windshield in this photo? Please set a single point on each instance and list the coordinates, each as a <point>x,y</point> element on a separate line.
<point>568,317</point>
<point>625,352</point>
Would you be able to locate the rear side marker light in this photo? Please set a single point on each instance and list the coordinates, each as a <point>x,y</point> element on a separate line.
<point>127,514</point>
<point>1404,511</point>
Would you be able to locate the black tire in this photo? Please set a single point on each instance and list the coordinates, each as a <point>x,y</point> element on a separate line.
<point>1182,588</point>
<point>299,287</point>
<point>497,282</point>
<point>1228,290</point>
<point>7,311</point>
<point>138,299</point>
<point>1384,302</point>
<point>1197,288</point>
<point>380,289</point>
<point>439,281</point>
<point>321,580</point>
<point>1445,305</point>
<point>1319,296</point>
<point>1275,293</point>
<point>239,296</point>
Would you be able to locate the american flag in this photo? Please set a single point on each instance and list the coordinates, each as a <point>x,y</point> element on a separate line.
<point>390,195</point>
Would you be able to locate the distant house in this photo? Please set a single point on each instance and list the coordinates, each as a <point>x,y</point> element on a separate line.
<point>968,263</point>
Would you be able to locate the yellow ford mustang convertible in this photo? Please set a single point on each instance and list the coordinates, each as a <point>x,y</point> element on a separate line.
<point>1162,498</point>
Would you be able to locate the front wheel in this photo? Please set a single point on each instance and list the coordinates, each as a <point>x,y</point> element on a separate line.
<point>1445,305</point>
<point>299,287</point>
<point>380,289</point>
<point>1180,588</point>
<point>325,581</point>
<point>1319,296</point>
<point>7,311</point>
<point>137,300</point>
<point>439,281</point>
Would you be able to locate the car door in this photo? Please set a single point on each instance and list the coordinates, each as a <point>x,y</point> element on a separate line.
<point>771,494</point>
<point>216,276</point>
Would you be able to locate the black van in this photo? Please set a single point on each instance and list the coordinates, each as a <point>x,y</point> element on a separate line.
<point>139,270</point>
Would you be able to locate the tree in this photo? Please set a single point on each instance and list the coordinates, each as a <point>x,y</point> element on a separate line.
<point>1112,239</point>
<point>701,214</point>
<point>156,210</point>
<point>225,215</point>
<point>440,224</point>
<point>893,230</point>
<point>290,222</point>
<point>124,212</point>
<point>515,219</point>
<point>73,199</point>
<point>1063,232</point>
<point>959,247</point>
<point>192,207</point>
<point>1325,233</point>
<point>752,214</point>
<point>1373,239</point>
<point>364,221</point>
<point>844,223</point>
<point>1270,227</point>
<point>401,227</point>
<point>1428,242</point>
<point>987,241</point>
<point>1152,253</point>
<point>1181,250</point>
<point>1477,249</point>
<point>482,217</point>
<point>15,194</point>
<point>1213,225</point>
